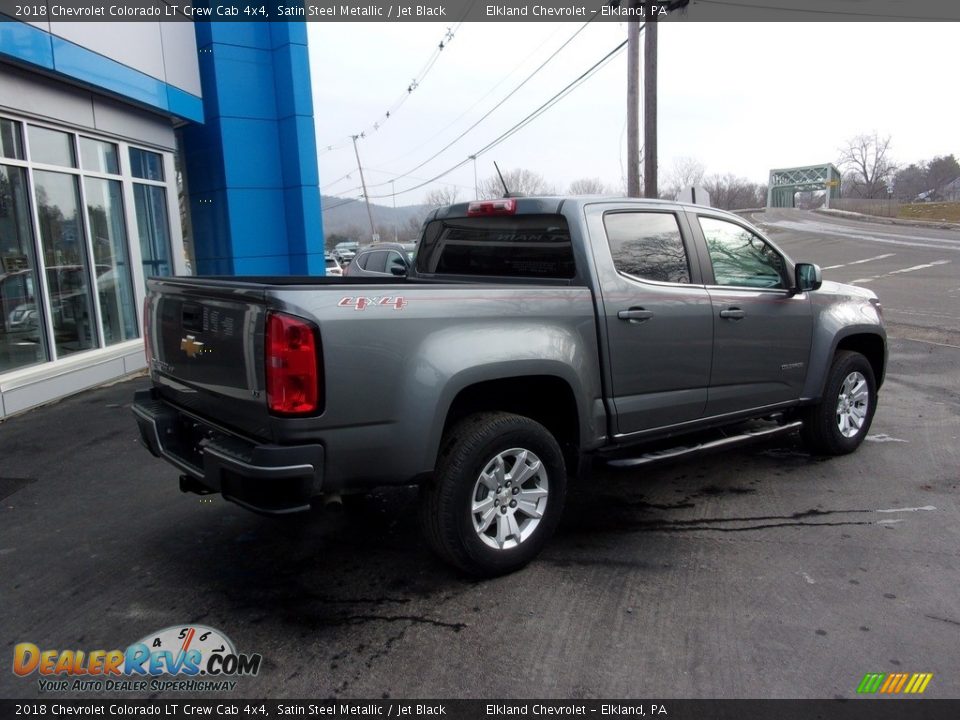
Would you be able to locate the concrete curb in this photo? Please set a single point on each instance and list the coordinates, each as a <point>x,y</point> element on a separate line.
<point>888,221</point>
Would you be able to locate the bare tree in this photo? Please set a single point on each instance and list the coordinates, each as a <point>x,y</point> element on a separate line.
<point>866,158</point>
<point>524,182</point>
<point>730,192</point>
<point>444,195</point>
<point>686,172</point>
<point>588,186</point>
<point>411,228</point>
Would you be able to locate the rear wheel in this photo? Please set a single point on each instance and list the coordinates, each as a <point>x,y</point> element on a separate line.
<point>840,422</point>
<point>497,494</point>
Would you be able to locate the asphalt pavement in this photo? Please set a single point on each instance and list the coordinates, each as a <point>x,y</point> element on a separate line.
<point>761,572</point>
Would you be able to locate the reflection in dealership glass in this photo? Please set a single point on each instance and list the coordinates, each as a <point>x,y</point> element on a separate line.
<point>68,302</point>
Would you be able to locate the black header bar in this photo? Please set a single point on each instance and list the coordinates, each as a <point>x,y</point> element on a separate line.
<point>453,11</point>
<point>174,708</point>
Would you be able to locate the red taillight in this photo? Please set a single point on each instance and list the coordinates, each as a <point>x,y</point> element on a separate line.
<point>293,365</point>
<point>147,339</point>
<point>506,206</point>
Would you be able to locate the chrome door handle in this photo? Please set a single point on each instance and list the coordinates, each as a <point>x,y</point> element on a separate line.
<point>733,314</point>
<point>635,314</point>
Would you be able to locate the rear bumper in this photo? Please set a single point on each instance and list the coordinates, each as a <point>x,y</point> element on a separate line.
<point>272,479</point>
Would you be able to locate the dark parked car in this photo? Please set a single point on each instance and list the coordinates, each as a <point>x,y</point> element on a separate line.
<point>382,259</point>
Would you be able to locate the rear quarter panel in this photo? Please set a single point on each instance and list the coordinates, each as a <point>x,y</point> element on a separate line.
<point>393,368</point>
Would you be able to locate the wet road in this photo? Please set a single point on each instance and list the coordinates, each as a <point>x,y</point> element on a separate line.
<point>761,572</point>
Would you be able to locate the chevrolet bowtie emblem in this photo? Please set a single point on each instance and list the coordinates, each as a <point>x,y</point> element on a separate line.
<point>191,346</point>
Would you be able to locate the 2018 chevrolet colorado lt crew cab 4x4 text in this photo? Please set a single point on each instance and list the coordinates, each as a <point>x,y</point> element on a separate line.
<point>531,336</point>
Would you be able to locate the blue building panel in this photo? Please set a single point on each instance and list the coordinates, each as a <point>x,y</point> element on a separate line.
<point>283,33</point>
<point>298,152</point>
<point>29,45</point>
<point>256,152</point>
<point>294,96</point>
<point>183,104</point>
<point>250,69</point>
<point>304,225</point>
<point>258,226</point>
<point>26,43</point>
<point>251,153</point>
<point>237,34</point>
<point>210,220</point>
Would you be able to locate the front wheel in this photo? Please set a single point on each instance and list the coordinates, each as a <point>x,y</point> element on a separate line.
<point>497,494</point>
<point>840,421</point>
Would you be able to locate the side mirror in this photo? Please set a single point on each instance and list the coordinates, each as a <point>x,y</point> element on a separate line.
<point>807,277</point>
<point>398,271</point>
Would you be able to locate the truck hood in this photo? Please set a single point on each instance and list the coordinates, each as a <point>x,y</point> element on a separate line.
<point>843,290</point>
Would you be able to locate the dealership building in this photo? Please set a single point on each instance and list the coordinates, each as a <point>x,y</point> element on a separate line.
<point>138,149</point>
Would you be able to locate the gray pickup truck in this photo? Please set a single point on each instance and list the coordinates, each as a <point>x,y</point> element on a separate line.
<point>531,338</point>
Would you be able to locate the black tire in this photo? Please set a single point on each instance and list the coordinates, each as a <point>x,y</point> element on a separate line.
<point>446,500</point>
<point>821,431</point>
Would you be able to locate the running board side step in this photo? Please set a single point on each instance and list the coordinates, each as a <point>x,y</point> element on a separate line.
<point>676,452</point>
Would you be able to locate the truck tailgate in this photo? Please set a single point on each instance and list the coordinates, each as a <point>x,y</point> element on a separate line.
<point>207,344</point>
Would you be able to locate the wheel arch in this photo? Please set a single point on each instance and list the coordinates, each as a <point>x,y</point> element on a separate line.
<point>868,340</point>
<point>548,399</point>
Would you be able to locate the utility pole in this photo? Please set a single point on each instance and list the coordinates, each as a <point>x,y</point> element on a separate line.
<point>650,109</point>
<point>476,187</point>
<point>393,191</point>
<point>363,184</point>
<point>649,97</point>
<point>633,105</point>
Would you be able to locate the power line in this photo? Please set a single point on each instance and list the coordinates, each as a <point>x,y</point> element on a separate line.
<point>339,204</point>
<point>778,8</point>
<point>494,108</point>
<point>403,97</point>
<point>475,102</point>
<point>579,80</point>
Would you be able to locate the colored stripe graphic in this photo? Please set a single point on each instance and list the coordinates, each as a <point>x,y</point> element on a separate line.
<point>871,682</point>
<point>894,683</point>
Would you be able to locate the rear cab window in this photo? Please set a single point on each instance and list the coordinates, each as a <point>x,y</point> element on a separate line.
<point>518,246</point>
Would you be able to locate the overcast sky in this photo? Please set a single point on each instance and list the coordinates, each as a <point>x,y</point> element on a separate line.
<point>740,98</point>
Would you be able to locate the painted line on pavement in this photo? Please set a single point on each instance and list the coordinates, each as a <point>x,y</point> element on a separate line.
<point>860,262</point>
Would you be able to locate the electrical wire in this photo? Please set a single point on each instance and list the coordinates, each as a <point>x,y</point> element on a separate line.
<point>752,6</point>
<point>579,80</point>
<point>476,102</point>
<point>403,97</point>
<point>494,108</point>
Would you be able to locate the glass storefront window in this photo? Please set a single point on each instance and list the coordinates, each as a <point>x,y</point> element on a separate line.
<point>146,165</point>
<point>154,229</point>
<point>99,156</point>
<point>11,145</point>
<point>69,211</point>
<point>22,340</point>
<point>114,284</point>
<point>51,147</point>
<point>65,258</point>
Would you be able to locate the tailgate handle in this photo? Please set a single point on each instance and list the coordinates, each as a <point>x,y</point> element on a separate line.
<point>192,318</point>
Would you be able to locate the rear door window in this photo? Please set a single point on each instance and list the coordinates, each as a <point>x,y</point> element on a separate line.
<point>376,261</point>
<point>531,246</point>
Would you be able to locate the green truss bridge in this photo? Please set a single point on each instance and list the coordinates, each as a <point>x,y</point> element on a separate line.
<point>785,183</point>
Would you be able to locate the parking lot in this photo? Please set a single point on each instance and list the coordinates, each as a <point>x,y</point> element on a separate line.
<point>761,572</point>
